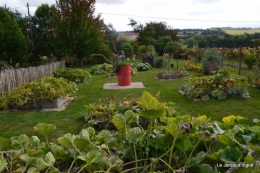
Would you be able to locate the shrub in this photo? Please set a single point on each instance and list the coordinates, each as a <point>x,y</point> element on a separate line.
<point>250,60</point>
<point>141,66</point>
<point>210,61</point>
<point>159,63</point>
<point>101,68</point>
<point>191,67</point>
<point>75,75</point>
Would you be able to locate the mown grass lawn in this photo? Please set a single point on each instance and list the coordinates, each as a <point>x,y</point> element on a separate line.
<point>72,121</point>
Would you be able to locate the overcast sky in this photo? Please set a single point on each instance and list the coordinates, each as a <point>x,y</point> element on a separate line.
<point>176,13</point>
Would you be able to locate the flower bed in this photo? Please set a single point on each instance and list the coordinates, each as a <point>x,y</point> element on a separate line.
<point>172,74</point>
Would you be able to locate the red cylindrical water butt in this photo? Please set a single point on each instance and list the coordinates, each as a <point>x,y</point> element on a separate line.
<point>124,75</point>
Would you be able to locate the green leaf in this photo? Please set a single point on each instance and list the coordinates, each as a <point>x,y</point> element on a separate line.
<point>130,117</point>
<point>114,162</point>
<point>172,129</point>
<point>217,129</point>
<point>66,140</point>
<point>248,137</point>
<point>84,134</point>
<point>44,129</point>
<point>5,144</point>
<point>199,158</point>
<point>3,164</point>
<point>152,114</point>
<point>183,144</point>
<point>216,155</point>
<point>92,156</point>
<point>231,155</point>
<point>27,159</point>
<point>58,151</point>
<point>48,161</point>
<point>119,121</point>
<point>49,158</point>
<point>225,140</point>
<point>91,131</point>
<point>150,102</point>
<point>81,143</point>
<point>35,153</point>
<point>254,147</point>
<point>32,170</point>
<point>249,159</point>
<point>105,137</point>
<point>133,134</point>
<point>204,168</point>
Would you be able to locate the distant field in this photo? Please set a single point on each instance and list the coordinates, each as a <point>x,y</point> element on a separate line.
<point>240,31</point>
<point>129,35</point>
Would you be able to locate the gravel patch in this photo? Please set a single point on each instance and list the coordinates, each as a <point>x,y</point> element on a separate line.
<point>116,86</point>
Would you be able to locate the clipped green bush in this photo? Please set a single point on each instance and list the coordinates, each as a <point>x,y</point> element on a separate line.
<point>71,74</point>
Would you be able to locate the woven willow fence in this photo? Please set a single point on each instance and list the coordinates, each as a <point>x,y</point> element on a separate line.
<point>10,79</point>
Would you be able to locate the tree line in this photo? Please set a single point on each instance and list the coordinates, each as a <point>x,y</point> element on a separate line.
<point>69,30</point>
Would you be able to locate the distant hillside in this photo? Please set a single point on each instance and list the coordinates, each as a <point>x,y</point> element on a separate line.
<point>131,35</point>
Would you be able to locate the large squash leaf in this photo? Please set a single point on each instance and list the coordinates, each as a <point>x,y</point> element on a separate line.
<point>216,155</point>
<point>5,144</point>
<point>3,164</point>
<point>152,114</point>
<point>119,121</point>
<point>225,140</point>
<point>231,155</point>
<point>198,159</point>
<point>202,168</point>
<point>150,102</point>
<point>44,129</point>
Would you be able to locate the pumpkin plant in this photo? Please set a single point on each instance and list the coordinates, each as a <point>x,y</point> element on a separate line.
<point>43,89</point>
<point>221,85</point>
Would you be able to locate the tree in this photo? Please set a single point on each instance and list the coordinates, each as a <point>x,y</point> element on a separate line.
<point>202,43</point>
<point>146,49</point>
<point>77,31</point>
<point>111,36</point>
<point>172,48</point>
<point>12,41</point>
<point>161,43</point>
<point>128,49</point>
<point>42,32</point>
<point>152,31</point>
<point>191,42</point>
